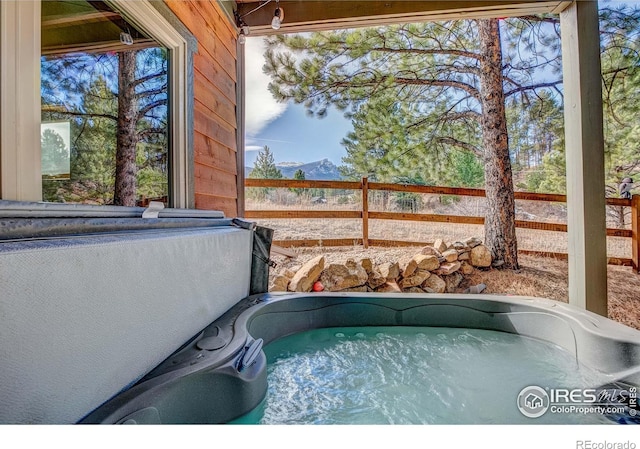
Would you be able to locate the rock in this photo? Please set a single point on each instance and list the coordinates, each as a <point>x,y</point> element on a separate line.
<point>389,287</point>
<point>391,271</point>
<point>453,281</point>
<point>408,267</point>
<point>376,279</point>
<point>280,284</point>
<point>289,274</point>
<point>497,263</point>
<point>304,278</point>
<point>430,251</point>
<point>440,245</point>
<point>473,242</point>
<point>448,268</point>
<point>367,264</point>
<point>413,290</point>
<point>434,283</point>
<point>417,278</point>
<point>459,246</point>
<point>425,262</point>
<point>450,255</point>
<point>480,256</point>
<point>337,277</point>
<point>350,263</point>
<point>466,268</point>
<point>465,255</point>
<point>428,290</point>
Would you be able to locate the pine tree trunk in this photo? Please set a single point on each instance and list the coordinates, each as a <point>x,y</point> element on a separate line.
<point>500,231</point>
<point>127,137</point>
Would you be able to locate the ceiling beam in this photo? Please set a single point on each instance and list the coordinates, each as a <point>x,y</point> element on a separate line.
<point>312,15</point>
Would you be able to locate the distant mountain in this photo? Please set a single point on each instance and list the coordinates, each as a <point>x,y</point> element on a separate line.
<point>323,170</point>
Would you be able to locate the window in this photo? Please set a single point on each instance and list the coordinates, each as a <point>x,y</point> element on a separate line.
<point>104,94</point>
<point>113,102</point>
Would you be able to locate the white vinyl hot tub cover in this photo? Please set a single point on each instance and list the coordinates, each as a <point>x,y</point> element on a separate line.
<point>82,318</point>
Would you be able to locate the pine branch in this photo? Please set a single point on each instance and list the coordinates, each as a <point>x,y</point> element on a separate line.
<point>89,114</point>
<point>150,92</point>
<point>154,104</point>
<point>520,89</point>
<point>146,78</point>
<point>441,83</point>
<point>459,143</point>
<point>419,51</point>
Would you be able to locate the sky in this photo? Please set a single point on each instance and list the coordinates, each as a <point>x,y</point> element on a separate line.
<point>285,128</point>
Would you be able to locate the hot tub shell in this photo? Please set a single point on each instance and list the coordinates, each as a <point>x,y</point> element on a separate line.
<point>202,382</point>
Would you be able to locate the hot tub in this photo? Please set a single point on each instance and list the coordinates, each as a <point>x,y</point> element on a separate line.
<point>220,374</point>
<point>127,315</point>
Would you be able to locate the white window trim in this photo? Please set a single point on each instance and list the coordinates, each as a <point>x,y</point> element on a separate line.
<point>20,170</point>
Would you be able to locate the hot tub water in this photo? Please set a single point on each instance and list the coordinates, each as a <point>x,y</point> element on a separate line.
<point>413,375</point>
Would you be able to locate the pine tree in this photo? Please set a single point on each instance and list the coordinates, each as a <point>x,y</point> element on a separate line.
<point>300,176</point>
<point>263,168</point>
<point>420,92</point>
<point>55,158</point>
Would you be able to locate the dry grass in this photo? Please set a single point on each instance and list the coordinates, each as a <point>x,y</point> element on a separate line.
<point>539,276</point>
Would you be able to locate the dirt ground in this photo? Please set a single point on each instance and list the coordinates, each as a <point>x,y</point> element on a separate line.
<point>539,276</point>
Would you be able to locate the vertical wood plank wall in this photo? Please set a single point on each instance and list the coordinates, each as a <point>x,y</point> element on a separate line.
<point>215,167</point>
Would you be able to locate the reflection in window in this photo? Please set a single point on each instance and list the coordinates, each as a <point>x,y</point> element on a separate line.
<point>104,108</point>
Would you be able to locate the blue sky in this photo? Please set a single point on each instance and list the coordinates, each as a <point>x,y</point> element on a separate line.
<point>286,129</point>
<point>296,137</point>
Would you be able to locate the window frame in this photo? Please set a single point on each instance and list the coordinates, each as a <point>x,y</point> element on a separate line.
<point>20,167</point>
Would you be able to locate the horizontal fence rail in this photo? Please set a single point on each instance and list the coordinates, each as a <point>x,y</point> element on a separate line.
<point>365,215</point>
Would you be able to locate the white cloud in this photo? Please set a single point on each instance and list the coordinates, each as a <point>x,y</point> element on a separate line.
<point>260,106</point>
<point>251,154</point>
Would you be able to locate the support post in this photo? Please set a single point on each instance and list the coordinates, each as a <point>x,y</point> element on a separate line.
<point>365,212</point>
<point>635,235</point>
<point>240,128</point>
<point>584,145</point>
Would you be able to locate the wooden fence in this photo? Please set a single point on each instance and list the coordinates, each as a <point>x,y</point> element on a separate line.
<point>365,215</point>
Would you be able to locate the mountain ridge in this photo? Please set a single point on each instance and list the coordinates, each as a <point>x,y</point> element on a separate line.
<point>322,170</point>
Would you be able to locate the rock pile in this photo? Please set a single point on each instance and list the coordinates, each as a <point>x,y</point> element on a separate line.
<point>435,269</point>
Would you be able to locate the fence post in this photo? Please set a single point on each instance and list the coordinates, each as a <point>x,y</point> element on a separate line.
<point>365,212</point>
<point>635,232</point>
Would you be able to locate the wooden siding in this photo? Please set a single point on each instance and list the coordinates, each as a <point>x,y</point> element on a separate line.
<point>215,126</point>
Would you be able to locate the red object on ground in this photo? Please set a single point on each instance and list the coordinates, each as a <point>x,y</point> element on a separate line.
<point>317,286</point>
